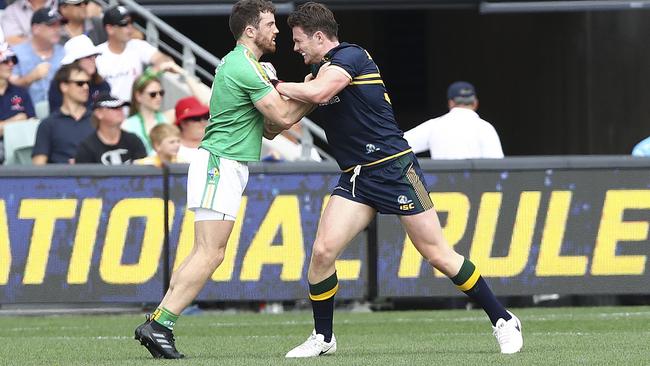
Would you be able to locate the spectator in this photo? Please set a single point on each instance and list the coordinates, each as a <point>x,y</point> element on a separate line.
<point>59,135</point>
<point>166,140</point>
<point>15,103</point>
<point>146,101</point>
<point>287,147</point>
<point>40,57</point>
<point>145,111</point>
<point>17,17</point>
<point>109,145</point>
<point>642,149</point>
<point>122,57</point>
<point>78,22</point>
<point>459,134</point>
<point>191,117</point>
<point>80,50</point>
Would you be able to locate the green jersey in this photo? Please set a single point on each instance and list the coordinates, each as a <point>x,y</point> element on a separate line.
<point>236,126</point>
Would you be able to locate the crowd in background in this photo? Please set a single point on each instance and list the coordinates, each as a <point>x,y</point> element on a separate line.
<point>61,61</point>
<point>82,71</point>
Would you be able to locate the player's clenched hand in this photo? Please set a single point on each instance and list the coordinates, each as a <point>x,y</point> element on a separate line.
<point>323,68</point>
<point>309,77</point>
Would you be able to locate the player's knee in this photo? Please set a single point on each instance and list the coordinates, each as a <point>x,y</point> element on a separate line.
<point>322,256</point>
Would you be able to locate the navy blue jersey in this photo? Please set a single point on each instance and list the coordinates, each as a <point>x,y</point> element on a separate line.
<point>359,121</point>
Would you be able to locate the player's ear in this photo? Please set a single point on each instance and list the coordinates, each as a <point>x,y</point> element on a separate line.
<point>249,31</point>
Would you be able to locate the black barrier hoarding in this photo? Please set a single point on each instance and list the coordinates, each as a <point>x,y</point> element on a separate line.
<point>268,252</point>
<point>81,236</point>
<point>578,231</point>
<point>544,225</point>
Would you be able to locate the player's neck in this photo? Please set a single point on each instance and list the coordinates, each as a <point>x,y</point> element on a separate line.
<point>251,47</point>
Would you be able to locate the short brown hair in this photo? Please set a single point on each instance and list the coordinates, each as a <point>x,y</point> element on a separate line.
<point>247,12</point>
<point>313,17</point>
<point>161,131</point>
<point>63,74</point>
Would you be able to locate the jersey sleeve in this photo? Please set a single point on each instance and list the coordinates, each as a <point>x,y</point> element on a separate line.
<point>252,79</point>
<point>351,59</point>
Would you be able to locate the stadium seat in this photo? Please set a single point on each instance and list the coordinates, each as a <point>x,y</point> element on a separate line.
<point>19,138</point>
<point>42,109</point>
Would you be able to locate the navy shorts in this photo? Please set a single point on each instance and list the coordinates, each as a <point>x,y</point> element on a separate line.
<point>396,187</point>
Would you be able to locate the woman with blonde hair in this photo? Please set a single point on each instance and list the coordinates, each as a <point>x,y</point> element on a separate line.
<point>146,102</point>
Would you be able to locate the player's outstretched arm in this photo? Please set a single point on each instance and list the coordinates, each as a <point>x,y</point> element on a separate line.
<point>329,82</point>
<point>279,113</point>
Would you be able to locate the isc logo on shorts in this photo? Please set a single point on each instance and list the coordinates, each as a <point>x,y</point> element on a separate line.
<point>405,204</point>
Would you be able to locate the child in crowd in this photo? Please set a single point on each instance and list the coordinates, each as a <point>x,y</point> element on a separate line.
<point>166,140</point>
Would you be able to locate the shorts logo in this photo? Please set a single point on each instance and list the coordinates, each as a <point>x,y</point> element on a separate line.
<point>370,148</point>
<point>212,173</point>
<point>405,204</point>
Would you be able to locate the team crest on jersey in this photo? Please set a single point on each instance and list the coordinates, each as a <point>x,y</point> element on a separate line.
<point>370,148</point>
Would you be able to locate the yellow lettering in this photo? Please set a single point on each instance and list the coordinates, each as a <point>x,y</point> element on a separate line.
<point>346,269</point>
<point>522,235</point>
<point>45,212</point>
<point>457,206</point>
<point>613,229</point>
<point>284,214</point>
<point>84,241</point>
<point>111,268</point>
<point>550,262</point>
<point>5,246</point>
<point>186,242</point>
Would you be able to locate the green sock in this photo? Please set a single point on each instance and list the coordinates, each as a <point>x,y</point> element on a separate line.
<point>165,318</point>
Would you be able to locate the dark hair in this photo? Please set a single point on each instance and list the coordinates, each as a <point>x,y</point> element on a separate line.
<point>63,74</point>
<point>247,12</point>
<point>313,17</point>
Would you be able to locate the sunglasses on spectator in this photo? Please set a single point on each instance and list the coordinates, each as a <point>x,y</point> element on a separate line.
<point>154,94</point>
<point>12,59</point>
<point>125,24</point>
<point>79,83</point>
<point>85,2</point>
<point>197,118</point>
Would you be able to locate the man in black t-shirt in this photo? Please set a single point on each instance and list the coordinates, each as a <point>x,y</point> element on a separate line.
<point>109,145</point>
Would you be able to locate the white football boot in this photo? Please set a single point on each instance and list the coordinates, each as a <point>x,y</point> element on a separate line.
<point>508,334</point>
<point>314,346</point>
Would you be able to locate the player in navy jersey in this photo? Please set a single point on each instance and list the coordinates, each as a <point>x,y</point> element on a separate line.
<point>380,174</point>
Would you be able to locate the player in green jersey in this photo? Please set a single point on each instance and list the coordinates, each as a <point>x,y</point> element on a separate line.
<point>244,106</point>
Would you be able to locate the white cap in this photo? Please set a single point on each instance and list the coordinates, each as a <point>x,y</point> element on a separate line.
<point>77,48</point>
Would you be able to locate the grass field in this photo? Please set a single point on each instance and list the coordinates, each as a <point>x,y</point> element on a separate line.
<point>552,336</point>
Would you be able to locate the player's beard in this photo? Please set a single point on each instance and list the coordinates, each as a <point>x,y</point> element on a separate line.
<point>266,45</point>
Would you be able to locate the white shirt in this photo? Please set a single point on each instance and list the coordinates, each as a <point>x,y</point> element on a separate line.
<point>121,70</point>
<point>186,154</point>
<point>459,134</point>
<point>286,149</point>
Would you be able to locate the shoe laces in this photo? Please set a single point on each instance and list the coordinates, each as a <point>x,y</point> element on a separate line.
<point>313,342</point>
<point>503,331</point>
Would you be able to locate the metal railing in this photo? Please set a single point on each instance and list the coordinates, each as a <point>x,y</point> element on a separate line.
<point>189,53</point>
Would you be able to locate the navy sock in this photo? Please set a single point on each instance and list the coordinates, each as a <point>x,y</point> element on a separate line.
<point>322,303</point>
<point>470,281</point>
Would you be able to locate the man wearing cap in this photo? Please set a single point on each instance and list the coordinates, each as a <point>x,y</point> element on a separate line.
<point>16,19</point>
<point>80,49</point>
<point>40,57</point>
<point>109,145</point>
<point>15,103</point>
<point>191,117</point>
<point>59,135</point>
<point>78,22</point>
<point>122,57</point>
<point>459,134</point>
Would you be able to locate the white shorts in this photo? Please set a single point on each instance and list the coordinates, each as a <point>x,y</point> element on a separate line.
<point>216,184</point>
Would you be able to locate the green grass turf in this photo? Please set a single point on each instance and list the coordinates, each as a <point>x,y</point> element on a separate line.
<point>552,336</point>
